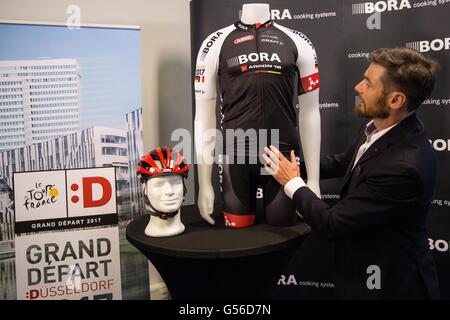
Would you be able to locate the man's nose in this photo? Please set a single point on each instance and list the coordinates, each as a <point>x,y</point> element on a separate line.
<point>358,87</point>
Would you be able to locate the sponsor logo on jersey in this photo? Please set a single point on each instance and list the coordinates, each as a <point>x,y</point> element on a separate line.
<point>210,43</point>
<point>270,36</point>
<point>200,75</point>
<point>301,35</point>
<point>310,82</point>
<point>253,57</point>
<point>380,6</point>
<point>243,39</point>
<point>268,71</point>
<point>271,39</point>
<point>199,79</point>
<point>433,45</point>
<point>241,26</point>
<point>266,40</point>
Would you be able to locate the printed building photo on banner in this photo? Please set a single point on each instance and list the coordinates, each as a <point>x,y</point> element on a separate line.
<point>70,98</point>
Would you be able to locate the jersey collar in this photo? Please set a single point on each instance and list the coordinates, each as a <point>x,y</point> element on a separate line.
<point>253,27</point>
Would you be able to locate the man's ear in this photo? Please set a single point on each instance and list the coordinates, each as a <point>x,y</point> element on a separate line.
<point>397,100</point>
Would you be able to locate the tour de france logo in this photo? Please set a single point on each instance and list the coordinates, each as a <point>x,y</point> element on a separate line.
<point>41,195</point>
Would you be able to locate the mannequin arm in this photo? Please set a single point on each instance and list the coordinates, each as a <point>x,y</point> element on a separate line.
<point>310,135</point>
<point>205,138</point>
<point>205,117</point>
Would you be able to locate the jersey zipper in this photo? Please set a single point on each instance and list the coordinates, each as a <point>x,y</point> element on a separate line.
<point>260,78</point>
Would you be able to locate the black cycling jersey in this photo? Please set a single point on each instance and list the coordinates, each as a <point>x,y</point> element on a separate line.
<point>256,66</point>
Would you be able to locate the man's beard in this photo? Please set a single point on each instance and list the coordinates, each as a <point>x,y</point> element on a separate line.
<point>380,112</point>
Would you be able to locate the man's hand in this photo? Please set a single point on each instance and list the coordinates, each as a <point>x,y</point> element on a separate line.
<point>279,167</point>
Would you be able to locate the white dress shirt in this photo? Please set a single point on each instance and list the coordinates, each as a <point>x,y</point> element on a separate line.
<point>295,183</point>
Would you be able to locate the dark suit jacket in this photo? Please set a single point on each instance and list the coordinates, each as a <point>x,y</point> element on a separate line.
<point>380,219</point>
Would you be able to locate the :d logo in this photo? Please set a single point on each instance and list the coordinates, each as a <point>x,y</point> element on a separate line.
<point>32,294</point>
<point>91,191</point>
<point>88,186</point>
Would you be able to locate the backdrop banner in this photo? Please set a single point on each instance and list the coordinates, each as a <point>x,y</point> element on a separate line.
<point>67,237</point>
<point>70,99</point>
<point>343,34</point>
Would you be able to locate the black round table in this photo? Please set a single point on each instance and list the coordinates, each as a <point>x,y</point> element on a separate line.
<point>216,262</point>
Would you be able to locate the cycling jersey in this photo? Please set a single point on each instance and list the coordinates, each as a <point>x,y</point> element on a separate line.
<point>256,66</point>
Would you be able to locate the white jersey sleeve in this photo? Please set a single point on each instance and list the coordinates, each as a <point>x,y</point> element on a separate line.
<point>306,61</point>
<point>207,64</point>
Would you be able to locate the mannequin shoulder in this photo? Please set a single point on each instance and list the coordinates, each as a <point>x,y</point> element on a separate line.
<point>306,52</point>
<point>214,41</point>
<point>218,35</point>
<point>296,36</point>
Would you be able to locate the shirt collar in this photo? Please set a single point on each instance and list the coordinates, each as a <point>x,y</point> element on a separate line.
<point>373,133</point>
<point>253,27</point>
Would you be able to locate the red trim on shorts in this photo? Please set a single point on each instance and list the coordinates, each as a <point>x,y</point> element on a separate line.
<point>239,221</point>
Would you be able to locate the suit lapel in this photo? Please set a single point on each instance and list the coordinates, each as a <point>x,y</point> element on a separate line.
<point>374,150</point>
<point>408,126</point>
<point>361,139</point>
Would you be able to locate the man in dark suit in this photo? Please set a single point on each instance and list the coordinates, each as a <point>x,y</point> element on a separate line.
<point>379,223</point>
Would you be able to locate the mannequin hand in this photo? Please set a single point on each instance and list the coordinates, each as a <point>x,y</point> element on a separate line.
<point>314,186</point>
<point>206,203</point>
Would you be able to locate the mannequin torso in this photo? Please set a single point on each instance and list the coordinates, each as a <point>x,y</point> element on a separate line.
<point>255,76</point>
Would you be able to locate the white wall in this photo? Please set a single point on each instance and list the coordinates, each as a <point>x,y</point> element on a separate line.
<point>165,54</point>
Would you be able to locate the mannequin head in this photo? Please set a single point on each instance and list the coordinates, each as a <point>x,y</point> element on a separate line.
<point>165,193</point>
<point>162,175</point>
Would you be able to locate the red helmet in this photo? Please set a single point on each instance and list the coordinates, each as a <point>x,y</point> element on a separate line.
<point>160,162</point>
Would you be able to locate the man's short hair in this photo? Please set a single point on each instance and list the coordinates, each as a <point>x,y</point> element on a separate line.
<point>408,71</point>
